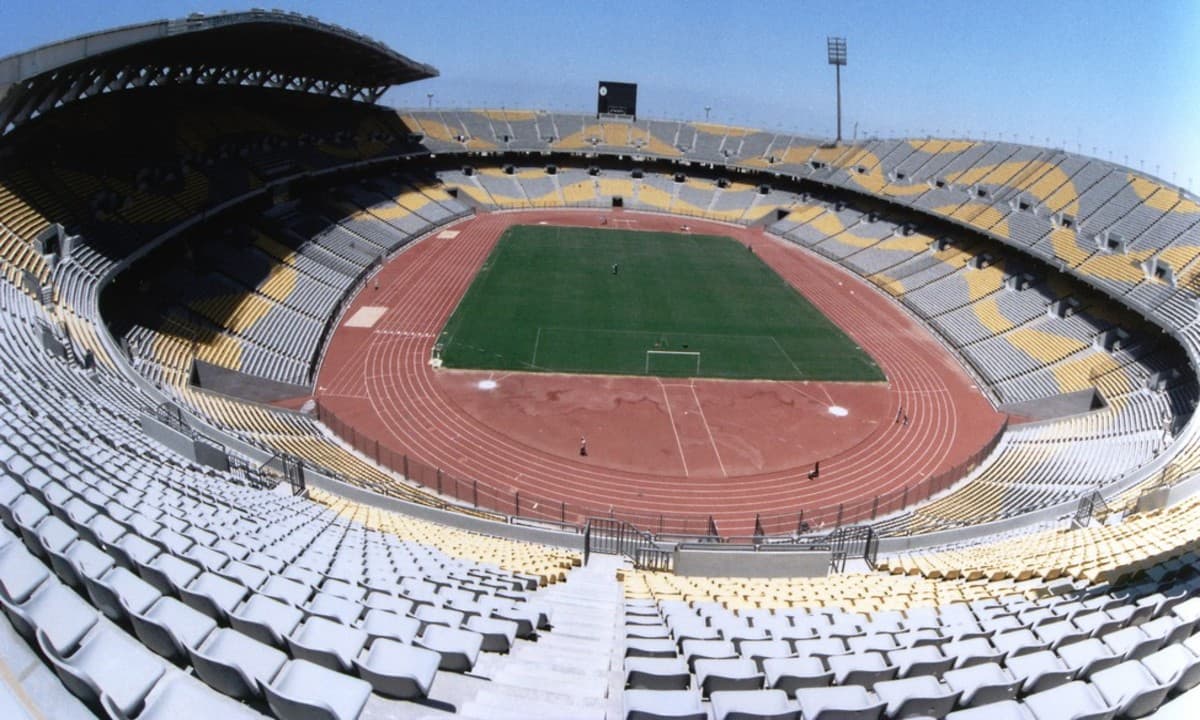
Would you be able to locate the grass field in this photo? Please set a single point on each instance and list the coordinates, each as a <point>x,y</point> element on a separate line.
<point>547,299</point>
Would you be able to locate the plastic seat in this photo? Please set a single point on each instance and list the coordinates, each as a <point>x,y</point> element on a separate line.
<point>213,595</point>
<point>234,664</point>
<point>20,573</point>
<point>385,601</point>
<point>459,649</point>
<point>101,530</point>
<point>982,684</point>
<point>931,636</point>
<point>398,670</point>
<point>791,674</point>
<point>1040,671</point>
<point>1096,622</point>
<point>327,643</point>
<point>1088,656</point>
<point>131,550</point>
<point>240,572</point>
<point>1131,689</point>
<point>922,660</point>
<point>727,674</point>
<point>664,705</point>
<point>656,631</point>
<point>109,663</point>
<point>1174,665</point>
<point>529,619</point>
<point>1164,630</point>
<point>334,608</point>
<point>690,627</point>
<point>1073,701</point>
<point>871,643</point>
<point>1132,643</point>
<point>753,705</point>
<point>657,673</point>
<point>429,615</point>
<point>864,669</point>
<point>498,635</point>
<point>27,513</point>
<point>760,650</point>
<point>1057,634</point>
<point>343,589</point>
<point>1003,710</point>
<point>168,627</point>
<point>1018,642</point>
<point>10,492</point>
<point>849,702</point>
<point>178,697</point>
<point>292,592</point>
<point>265,619</point>
<point>119,589</point>
<point>1188,611</point>
<point>694,650</point>
<point>820,647</point>
<point>384,624</point>
<point>637,647</point>
<point>53,535</point>
<point>921,695</point>
<point>971,652</point>
<point>55,612</point>
<point>80,559</point>
<point>306,691</point>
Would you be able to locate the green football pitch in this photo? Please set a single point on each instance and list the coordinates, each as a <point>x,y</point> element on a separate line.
<point>583,300</point>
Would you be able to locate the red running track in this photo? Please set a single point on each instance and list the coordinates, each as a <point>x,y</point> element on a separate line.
<point>677,448</point>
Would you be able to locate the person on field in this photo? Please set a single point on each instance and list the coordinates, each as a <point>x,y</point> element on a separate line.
<point>582,446</point>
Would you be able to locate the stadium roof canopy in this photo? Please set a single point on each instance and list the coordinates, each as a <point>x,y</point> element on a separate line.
<point>258,48</point>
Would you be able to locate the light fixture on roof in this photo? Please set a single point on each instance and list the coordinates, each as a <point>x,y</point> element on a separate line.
<point>837,58</point>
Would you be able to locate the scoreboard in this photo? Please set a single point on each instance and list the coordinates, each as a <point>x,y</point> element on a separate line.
<point>616,98</point>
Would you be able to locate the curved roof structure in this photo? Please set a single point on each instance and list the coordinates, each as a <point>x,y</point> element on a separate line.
<point>257,48</point>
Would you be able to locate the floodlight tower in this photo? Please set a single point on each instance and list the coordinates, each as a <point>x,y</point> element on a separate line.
<point>837,58</point>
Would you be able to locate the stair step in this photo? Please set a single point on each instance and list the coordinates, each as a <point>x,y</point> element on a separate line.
<point>574,645</point>
<point>561,663</point>
<point>563,683</point>
<point>512,695</point>
<point>526,709</point>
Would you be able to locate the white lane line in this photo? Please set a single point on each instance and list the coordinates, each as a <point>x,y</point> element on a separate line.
<point>671,417</point>
<point>708,429</point>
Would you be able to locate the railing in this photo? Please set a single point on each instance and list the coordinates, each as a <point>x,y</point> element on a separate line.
<point>543,507</point>
<point>250,475</point>
<point>292,468</point>
<point>1090,505</point>
<point>617,537</point>
<point>855,541</point>
<point>170,414</point>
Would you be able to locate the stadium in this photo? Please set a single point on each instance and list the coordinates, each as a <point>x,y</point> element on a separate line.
<point>317,408</point>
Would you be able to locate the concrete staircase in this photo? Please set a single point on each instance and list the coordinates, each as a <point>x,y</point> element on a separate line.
<point>572,671</point>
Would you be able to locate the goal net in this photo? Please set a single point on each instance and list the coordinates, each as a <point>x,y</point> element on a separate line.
<point>673,362</point>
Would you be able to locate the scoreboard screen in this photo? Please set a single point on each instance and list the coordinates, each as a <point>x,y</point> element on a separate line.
<point>616,98</point>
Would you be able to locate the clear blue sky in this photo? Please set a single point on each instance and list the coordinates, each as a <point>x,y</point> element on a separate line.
<point>1120,77</point>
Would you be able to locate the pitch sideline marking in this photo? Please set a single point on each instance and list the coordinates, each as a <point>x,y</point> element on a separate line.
<point>536,341</point>
<point>787,357</point>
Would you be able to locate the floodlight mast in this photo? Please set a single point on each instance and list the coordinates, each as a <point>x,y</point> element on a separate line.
<point>837,58</point>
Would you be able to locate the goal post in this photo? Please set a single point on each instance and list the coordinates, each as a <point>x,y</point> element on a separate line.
<point>673,362</point>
